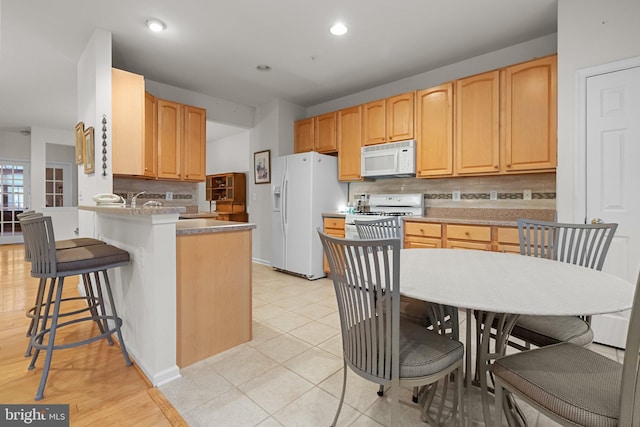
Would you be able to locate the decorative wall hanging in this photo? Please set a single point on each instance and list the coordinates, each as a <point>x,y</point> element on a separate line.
<point>80,143</point>
<point>262,167</point>
<point>104,145</point>
<point>89,151</point>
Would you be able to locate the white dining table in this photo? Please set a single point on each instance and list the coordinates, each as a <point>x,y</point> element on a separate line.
<point>502,286</point>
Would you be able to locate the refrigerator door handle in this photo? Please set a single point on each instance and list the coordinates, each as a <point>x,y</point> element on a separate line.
<point>285,202</point>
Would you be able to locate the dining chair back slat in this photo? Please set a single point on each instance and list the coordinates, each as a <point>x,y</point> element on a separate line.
<point>384,228</point>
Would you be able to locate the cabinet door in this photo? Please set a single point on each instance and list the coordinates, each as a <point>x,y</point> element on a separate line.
<point>194,143</point>
<point>349,143</point>
<point>303,135</point>
<point>374,129</point>
<point>169,136</point>
<point>477,124</point>
<point>325,133</point>
<point>128,126</point>
<point>414,242</point>
<point>400,119</point>
<point>530,122</point>
<point>434,131</point>
<point>150,136</point>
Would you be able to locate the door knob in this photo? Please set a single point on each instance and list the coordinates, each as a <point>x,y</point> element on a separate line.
<point>597,221</point>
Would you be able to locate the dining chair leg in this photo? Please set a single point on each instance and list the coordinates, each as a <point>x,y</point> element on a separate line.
<point>51,341</point>
<point>497,414</point>
<point>94,304</point>
<point>344,386</point>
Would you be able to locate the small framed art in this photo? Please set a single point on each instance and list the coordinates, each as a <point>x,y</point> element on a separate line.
<point>79,143</point>
<point>89,152</point>
<point>262,167</point>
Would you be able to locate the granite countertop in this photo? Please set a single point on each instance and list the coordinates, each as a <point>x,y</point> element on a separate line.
<point>126,211</point>
<point>210,225</point>
<point>333,214</point>
<point>199,215</point>
<point>470,221</point>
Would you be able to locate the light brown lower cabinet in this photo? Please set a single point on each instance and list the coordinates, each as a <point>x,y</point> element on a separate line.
<point>418,234</point>
<point>213,273</point>
<point>333,227</point>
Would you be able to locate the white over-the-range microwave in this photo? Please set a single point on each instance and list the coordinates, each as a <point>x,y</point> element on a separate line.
<point>390,159</point>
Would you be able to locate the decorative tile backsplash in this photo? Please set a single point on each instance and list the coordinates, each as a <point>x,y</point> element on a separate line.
<point>474,192</point>
<point>183,193</point>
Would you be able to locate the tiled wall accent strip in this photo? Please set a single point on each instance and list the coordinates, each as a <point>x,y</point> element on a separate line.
<point>487,196</point>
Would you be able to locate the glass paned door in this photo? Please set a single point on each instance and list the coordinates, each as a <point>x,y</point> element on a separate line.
<point>14,178</point>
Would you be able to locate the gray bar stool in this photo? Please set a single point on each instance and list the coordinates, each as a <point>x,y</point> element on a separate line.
<point>86,279</point>
<point>49,263</point>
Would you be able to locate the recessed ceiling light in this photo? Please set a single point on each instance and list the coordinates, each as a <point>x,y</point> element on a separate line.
<point>263,68</point>
<point>156,25</point>
<point>338,29</point>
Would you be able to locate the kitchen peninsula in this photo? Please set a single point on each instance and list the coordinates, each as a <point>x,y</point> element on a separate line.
<point>186,294</point>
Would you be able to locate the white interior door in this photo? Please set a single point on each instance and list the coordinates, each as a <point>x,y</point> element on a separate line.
<point>612,178</point>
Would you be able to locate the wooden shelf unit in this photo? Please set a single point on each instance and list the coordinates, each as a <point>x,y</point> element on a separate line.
<point>229,191</point>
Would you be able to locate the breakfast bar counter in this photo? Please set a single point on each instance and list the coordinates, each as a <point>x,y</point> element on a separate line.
<point>173,261</point>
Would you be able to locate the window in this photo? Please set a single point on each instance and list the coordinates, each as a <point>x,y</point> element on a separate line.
<point>13,182</point>
<point>54,187</point>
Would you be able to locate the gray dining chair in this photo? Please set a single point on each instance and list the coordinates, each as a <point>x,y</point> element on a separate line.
<point>377,344</point>
<point>443,319</point>
<point>55,265</point>
<point>585,245</point>
<point>574,385</point>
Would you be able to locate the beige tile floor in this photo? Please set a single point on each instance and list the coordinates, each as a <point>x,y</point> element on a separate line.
<point>290,374</point>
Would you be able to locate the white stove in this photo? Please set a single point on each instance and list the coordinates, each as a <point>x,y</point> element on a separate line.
<point>385,206</point>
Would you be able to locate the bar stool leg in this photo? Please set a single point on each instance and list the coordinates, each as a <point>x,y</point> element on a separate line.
<point>51,341</point>
<point>97,307</point>
<point>117,320</point>
<point>41,325</point>
<point>37,311</point>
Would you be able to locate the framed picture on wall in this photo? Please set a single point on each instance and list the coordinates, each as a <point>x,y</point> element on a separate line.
<point>89,151</point>
<point>80,143</point>
<point>262,167</point>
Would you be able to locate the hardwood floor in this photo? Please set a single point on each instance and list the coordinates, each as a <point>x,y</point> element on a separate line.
<point>93,379</point>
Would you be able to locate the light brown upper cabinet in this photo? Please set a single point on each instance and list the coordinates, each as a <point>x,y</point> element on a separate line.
<point>325,133</point>
<point>150,135</point>
<point>155,138</point>
<point>194,144</point>
<point>349,143</point>
<point>434,131</point>
<point>530,115</point>
<point>400,109</point>
<point>477,135</point>
<point>132,155</point>
<point>388,120</point>
<point>169,139</point>
<point>303,135</point>
<point>316,134</point>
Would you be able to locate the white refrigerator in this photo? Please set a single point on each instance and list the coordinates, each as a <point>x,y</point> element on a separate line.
<point>303,186</point>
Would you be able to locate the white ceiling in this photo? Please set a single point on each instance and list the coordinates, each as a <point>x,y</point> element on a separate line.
<point>213,46</point>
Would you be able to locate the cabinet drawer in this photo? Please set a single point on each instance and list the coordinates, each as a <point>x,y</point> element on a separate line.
<point>469,232</point>
<point>422,229</point>
<point>461,244</point>
<point>336,223</point>
<point>508,235</point>
<point>422,242</point>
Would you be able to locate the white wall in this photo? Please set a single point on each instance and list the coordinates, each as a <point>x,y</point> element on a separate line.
<point>218,110</point>
<point>535,48</point>
<point>230,154</point>
<point>14,146</point>
<point>273,131</point>
<point>94,101</point>
<point>590,32</point>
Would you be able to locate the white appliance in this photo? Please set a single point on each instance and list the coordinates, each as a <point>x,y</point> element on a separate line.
<point>390,159</point>
<point>303,187</point>
<point>385,206</point>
